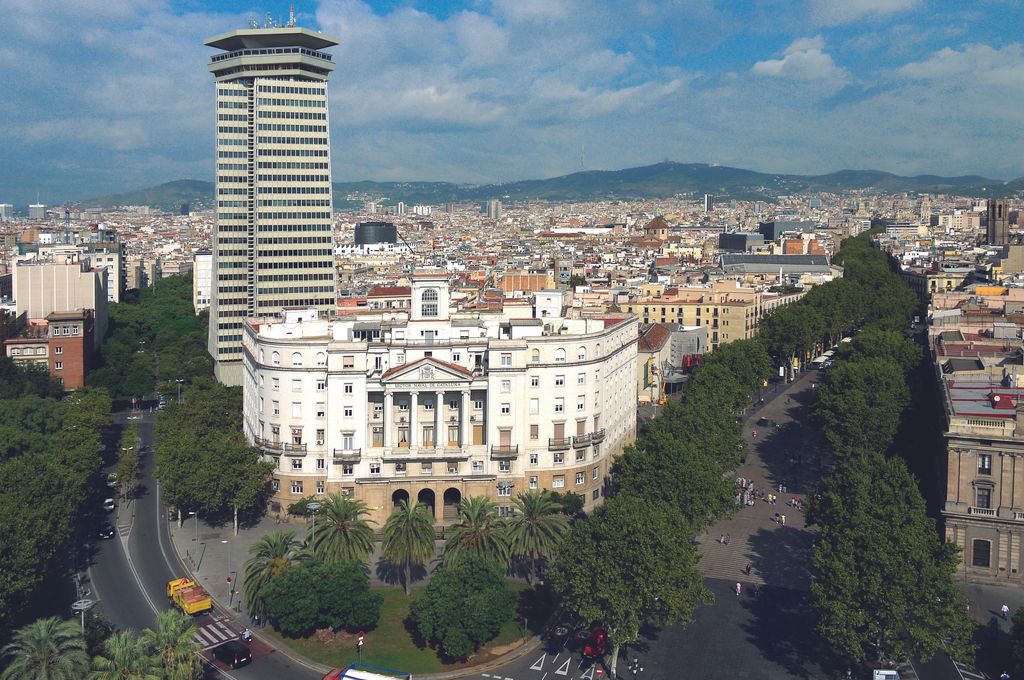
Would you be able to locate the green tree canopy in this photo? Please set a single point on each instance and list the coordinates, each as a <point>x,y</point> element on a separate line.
<point>172,646</point>
<point>342,533</point>
<point>203,461</point>
<point>860,404</point>
<point>315,595</point>
<point>272,555</point>
<point>630,563</point>
<point>125,656</point>
<point>536,529</point>
<point>46,649</point>
<point>464,606</point>
<point>876,343</point>
<point>885,588</point>
<point>409,538</point>
<point>479,531</point>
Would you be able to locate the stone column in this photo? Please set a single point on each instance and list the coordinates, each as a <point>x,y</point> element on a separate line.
<point>464,420</point>
<point>414,436</point>
<point>440,440</point>
<point>389,400</point>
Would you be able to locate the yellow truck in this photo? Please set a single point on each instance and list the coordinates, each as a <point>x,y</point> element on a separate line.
<point>188,596</point>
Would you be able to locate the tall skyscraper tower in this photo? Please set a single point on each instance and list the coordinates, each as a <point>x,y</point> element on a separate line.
<point>273,241</point>
<point>998,231</point>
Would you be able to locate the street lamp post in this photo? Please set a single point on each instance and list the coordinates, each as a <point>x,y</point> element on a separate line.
<point>179,381</point>
<point>231,581</point>
<point>313,506</point>
<point>82,606</point>
<point>124,482</point>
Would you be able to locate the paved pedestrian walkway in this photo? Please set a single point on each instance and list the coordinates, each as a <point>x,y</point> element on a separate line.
<point>785,458</point>
<point>213,553</point>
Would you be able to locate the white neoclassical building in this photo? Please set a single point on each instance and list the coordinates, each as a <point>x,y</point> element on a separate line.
<point>436,405</point>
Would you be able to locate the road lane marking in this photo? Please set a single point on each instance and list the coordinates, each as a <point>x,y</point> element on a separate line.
<point>538,665</point>
<point>564,668</point>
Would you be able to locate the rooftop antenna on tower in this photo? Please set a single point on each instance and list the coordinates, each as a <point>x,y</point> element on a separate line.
<point>252,22</point>
<point>583,156</point>
<point>291,16</point>
<point>268,21</point>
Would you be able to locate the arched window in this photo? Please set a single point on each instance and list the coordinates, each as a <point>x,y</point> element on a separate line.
<point>598,349</point>
<point>428,302</point>
<point>263,358</point>
<point>559,356</point>
<point>535,356</point>
<point>581,354</point>
<point>275,359</point>
<point>321,359</point>
<point>296,359</point>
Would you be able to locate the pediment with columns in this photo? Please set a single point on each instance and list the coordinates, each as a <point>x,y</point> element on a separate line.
<point>428,371</point>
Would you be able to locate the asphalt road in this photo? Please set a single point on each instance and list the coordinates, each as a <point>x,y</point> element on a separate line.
<point>129,574</point>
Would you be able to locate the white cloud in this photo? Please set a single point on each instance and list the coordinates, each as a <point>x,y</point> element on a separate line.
<point>836,12</point>
<point>804,59</point>
<point>972,65</point>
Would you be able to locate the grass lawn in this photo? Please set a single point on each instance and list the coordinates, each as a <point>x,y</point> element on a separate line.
<point>391,644</point>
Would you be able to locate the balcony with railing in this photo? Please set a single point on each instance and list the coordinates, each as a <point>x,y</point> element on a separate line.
<point>982,512</point>
<point>504,451</point>
<point>559,443</point>
<point>294,449</point>
<point>269,446</point>
<point>581,441</point>
<point>347,455</point>
<point>598,436</point>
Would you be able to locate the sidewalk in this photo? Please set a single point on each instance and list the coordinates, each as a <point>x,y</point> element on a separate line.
<point>218,552</point>
<point>791,455</point>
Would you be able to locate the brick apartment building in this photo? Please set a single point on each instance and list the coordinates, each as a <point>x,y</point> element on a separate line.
<point>63,343</point>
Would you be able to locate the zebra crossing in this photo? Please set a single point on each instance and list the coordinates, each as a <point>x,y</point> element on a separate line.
<point>213,633</point>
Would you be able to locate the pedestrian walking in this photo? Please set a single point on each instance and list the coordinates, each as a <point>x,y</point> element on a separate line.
<point>739,588</point>
<point>747,569</point>
<point>783,519</point>
<point>1005,611</point>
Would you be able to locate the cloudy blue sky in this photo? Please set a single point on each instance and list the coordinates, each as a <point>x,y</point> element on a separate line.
<point>99,96</point>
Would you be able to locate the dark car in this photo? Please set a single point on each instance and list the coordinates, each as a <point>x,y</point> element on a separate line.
<point>766,422</point>
<point>559,634</point>
<point>232,654</point>
<point>107,530</point>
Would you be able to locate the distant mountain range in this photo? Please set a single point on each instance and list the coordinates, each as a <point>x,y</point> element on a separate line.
<point>661,180</point>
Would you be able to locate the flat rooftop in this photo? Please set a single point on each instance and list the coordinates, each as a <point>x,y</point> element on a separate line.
<point>256,38</point>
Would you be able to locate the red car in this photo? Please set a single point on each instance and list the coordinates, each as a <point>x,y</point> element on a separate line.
<point>597,644</point>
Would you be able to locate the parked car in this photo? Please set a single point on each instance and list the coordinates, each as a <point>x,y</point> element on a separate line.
<point>111,480</point>
<point>559,634</point>
<point>232,654</point>
<point>766,422</point>
<point>596,644</point>
<point>109,505</point>
<point>107,530</point>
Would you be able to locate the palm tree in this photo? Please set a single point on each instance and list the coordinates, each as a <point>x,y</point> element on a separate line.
<point>342,534</point>
<point>479,532</point>
<point>128,657</point>
<point>537,528</point>
<point>409,537</point>
<point>46,649</point>
<point>176,651</point>
<point>272,555</point>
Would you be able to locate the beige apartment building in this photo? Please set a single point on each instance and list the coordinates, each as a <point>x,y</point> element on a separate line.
<point>42,287</point>
<point>273,240</point>
<point>729,312</point>
<point>434,404</point>
<point>984,501</point>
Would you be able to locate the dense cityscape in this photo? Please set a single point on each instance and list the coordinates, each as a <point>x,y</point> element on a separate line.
<point>655,422</point>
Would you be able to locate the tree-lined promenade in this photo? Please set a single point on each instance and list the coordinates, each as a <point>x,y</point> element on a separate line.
<point>878,595</point>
